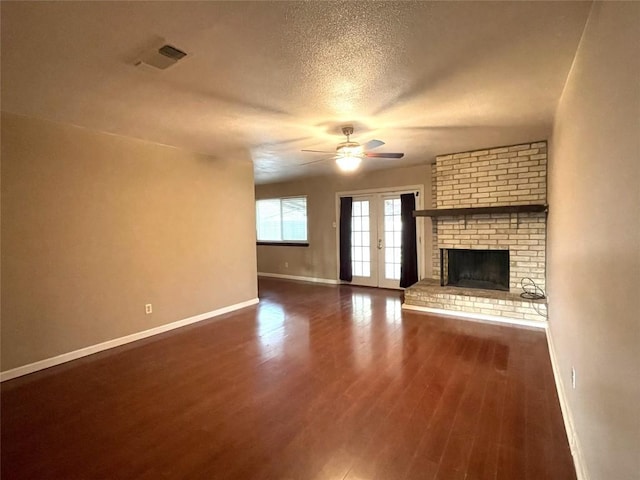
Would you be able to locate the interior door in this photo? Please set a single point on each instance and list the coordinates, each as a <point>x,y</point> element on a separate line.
<point>376,234</point>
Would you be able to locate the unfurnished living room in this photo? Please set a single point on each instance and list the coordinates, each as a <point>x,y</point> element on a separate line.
<point>320,240</point>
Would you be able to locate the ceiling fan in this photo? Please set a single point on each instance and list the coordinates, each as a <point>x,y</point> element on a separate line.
<point>349,154</point>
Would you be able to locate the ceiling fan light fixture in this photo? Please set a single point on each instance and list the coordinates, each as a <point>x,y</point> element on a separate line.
<point>350,149</point>
<point>348,163</point>
<point>349,154</point>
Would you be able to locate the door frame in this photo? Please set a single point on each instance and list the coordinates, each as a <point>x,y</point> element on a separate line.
<point>382,191</point>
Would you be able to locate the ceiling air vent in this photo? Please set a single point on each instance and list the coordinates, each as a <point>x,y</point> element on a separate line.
<point>161,58</point>
<point>172,52</point>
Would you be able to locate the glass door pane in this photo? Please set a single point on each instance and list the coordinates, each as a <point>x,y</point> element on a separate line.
<point>363,261</point>
<point>391,226</point>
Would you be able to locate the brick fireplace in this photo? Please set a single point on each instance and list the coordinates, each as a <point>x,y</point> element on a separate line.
<point>505,176</point>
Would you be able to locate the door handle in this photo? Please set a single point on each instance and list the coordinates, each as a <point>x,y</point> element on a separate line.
<point>379,244</point>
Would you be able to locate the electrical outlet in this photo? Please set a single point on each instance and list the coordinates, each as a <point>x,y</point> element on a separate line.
<point>286,264</point>
<point>148,308</point>
<point>573,378</point>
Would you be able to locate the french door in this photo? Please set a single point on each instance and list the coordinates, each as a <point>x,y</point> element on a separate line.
<point>376,236</point>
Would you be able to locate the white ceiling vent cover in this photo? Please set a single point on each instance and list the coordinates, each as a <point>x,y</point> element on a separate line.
<point>161,58</point>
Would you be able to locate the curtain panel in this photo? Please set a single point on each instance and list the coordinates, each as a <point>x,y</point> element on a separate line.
<point>346,209</point>
<point>409,248</point>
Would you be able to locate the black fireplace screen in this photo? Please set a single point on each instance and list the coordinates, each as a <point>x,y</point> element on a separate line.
<point>487,269</point>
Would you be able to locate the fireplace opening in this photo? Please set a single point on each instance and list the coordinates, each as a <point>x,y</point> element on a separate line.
<point>488,269</point>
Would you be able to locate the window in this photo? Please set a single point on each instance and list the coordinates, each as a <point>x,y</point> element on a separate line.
<point>282,220</point>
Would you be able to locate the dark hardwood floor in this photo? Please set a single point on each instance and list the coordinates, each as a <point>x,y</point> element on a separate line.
<point>316,382</point>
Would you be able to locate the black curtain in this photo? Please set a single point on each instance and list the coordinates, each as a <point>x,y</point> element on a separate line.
<point>346,204</point>
<point>409,249</point>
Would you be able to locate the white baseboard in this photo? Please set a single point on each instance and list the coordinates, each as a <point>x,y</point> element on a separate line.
<point>477,316</point>
<point>574,443</point>
<point>83,352</point>
<point>296,277</point>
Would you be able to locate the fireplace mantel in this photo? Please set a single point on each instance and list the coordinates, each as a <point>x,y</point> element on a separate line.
<point>452,212</point>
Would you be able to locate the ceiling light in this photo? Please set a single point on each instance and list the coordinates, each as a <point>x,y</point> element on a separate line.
<point>348,163</point>
<point>349,155</point>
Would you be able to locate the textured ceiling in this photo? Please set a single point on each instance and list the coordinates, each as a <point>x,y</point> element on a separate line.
<point>277,77</point>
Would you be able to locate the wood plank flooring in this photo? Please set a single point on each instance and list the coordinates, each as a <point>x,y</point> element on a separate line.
<point>315,382</point>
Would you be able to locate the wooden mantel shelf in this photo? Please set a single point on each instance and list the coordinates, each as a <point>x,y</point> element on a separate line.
<point>452,212</point>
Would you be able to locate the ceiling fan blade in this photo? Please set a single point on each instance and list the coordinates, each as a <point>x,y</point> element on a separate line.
<point>314,161</point>
<point>384,155</point>
<point>316,151</point>
<point>276,143</point>
<point>371,144</point>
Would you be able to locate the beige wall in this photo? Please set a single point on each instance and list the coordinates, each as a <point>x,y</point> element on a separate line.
<point>319,260</point>
<point>95,226</point>
<point>594,241</point>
